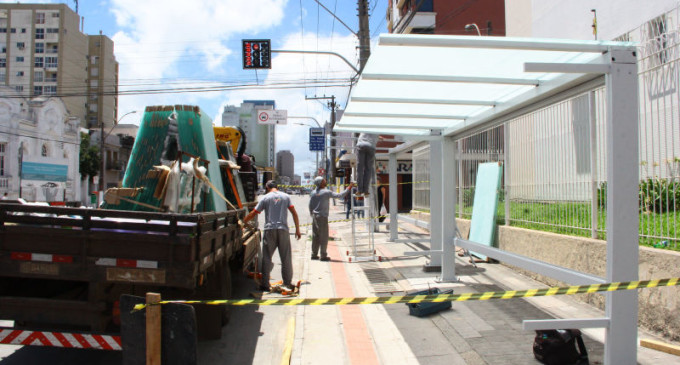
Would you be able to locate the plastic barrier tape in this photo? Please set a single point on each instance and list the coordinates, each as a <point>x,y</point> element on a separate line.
<point>329,186</point>
<point>564,290</point>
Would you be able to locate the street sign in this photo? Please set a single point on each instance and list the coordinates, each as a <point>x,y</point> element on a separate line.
<point>272,117</point>
<point>257,53</point>
<point>317,139</point>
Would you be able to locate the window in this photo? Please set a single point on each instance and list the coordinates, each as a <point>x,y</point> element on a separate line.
<point>3,149</point>
<point>4,49</point>
<point>20,58</point>
<point>23,30</point>
<point>53,49</point>
<point>51,62</point>
<point>3,62</point>
<point>55,15</point>
<point>39,18</point>
<point>38,76</point>
<point>40,48</point>
<point>19,88</point>
<point>21,45</point>
<point>50,90</point>
<point>94,83</point>
<point>13,30</point>
<point>93,108</point>
<point>94,71</point>
<point>95,60</point>
<point>40,33</point>
<point>53,30</point>
<point>37,90</point>
<point>2,77</point>
<point>658,47</point>
<point>43,151</point>
<point>20,73</point>
<point>39,62</point>
<point>3,30</point>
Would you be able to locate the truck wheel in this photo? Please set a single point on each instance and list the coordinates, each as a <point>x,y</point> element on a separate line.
<point>210,319</point>
<point>225,292</point>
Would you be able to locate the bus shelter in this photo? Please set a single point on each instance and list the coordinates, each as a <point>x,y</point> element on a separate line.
<point>435,89</point>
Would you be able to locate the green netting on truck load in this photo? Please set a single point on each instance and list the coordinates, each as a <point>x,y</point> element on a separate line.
<point>162,132</point>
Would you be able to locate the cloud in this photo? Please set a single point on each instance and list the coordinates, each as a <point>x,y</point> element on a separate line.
<point>164,39</point>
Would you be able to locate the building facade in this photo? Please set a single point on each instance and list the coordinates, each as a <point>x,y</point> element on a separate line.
<point>39,148</point>
<point>44,52</point>
<point>446,17</point>
<point>102,82</point>
<point>260,139</point>
<point>285,164</point>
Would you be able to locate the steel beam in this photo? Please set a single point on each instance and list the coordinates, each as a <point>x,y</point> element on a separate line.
<point>569,276</point>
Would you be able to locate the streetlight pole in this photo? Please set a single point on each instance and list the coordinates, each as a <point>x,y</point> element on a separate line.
<point>102,138</point>
<point>471,26</point>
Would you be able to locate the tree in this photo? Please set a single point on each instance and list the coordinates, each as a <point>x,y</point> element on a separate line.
<point>89,158</point>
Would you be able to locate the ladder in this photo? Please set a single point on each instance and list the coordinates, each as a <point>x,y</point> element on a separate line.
<point>363,244</point>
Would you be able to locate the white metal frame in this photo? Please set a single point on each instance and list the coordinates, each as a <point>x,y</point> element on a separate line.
<point>611,62</point>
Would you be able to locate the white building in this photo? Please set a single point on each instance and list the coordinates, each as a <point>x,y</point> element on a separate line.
<point>260,139</point>
<point>38,135</point>
<point>655,26</point>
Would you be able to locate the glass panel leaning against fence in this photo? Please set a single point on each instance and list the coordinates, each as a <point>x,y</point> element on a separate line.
<point>556,165</point>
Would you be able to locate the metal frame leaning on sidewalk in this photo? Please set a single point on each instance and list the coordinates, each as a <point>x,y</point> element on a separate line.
<point>465,85</point>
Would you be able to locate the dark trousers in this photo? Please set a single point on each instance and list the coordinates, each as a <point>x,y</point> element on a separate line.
<point>320,236</point>
<point>273,239</point>
<point>365,167</point>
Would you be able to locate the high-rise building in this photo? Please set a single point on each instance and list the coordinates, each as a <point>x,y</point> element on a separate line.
<point>446,17</point>
<point>260,139</point>
<point>43,52</point>
<point>285,164</point>
<point>102,81</point>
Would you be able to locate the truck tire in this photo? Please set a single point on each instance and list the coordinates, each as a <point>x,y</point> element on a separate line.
<point>210,319</point>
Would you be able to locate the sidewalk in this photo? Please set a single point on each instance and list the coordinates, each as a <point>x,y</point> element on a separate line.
<point>474,332</point>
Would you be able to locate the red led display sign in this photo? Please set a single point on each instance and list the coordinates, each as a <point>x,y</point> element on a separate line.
<point>257,53</point>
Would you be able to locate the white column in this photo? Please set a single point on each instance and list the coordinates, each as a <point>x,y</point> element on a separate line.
<point>394,204</point>
<point>436,204</point>
<point>592,109</point>
<point>448,198</point>
<point>622,206</point>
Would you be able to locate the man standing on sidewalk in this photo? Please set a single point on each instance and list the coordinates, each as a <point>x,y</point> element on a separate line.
<point>275,205</point>
<point>318,209</point>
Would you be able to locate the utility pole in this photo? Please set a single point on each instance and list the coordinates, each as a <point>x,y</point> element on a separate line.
<point>330,176</point>
<point>364,34</point>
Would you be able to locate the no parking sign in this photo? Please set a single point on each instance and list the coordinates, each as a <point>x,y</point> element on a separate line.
<point>272,116</point>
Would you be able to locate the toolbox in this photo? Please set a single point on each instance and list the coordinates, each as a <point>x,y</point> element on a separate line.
<point>424,309</point>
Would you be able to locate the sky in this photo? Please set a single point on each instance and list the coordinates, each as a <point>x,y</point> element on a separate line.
<point>171,44</point>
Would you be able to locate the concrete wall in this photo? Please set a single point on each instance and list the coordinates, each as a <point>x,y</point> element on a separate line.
<point>659,308</point>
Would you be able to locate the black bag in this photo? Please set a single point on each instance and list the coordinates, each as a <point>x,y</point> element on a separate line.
<point>558,347</point>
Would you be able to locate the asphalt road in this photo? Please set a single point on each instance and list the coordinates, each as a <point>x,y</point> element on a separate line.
<point>253,335</point>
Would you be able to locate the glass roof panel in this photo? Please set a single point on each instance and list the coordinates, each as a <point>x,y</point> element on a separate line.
<point>417,82</point>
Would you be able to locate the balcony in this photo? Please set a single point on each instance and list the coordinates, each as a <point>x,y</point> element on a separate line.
<point>115,165</point>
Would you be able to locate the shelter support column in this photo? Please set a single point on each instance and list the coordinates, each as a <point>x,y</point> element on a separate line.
<point>394,204</point>
<point>622,206</point>
<point>436,204</point>
<point>448,167</point>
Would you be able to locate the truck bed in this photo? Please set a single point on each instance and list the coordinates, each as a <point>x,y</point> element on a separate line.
<point>69,265</point>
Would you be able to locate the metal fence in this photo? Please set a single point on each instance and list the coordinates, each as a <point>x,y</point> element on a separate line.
<point>555,158</point>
